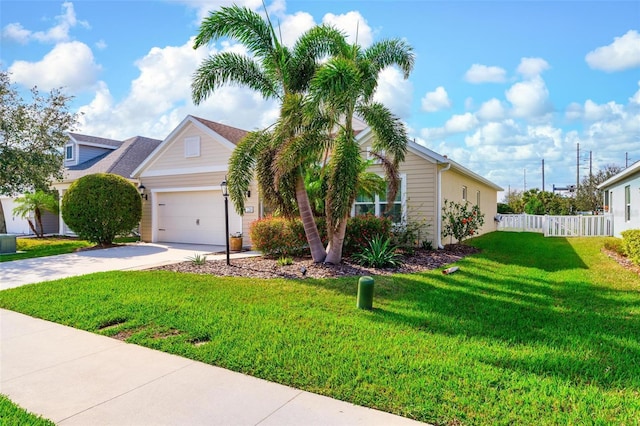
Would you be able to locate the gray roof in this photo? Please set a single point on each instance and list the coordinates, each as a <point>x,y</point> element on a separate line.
<point>121,161</point>
<point>94,140</point>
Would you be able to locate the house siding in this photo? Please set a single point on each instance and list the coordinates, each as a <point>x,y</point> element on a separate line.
<point>618,207</point>
<point>86,153</point>
<point>212,153</point>
<point>452,183</point>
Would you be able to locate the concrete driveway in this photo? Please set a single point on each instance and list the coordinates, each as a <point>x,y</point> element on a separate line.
<point>128,257</point>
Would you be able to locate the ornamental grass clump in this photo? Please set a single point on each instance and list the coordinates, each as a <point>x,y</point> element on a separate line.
<point>380,253</point>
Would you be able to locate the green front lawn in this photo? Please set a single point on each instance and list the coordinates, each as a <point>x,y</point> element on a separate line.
<point>40,247</point>
<point>11,414</point>
<point>530,331</point>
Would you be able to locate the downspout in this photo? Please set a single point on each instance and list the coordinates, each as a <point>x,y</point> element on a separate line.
<point>439,207</point>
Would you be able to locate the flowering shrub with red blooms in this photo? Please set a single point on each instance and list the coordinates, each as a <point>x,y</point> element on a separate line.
<point>363,229</point>
<point>459,221</point>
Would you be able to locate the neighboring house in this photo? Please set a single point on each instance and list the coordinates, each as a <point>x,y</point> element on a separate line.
<point>85,155</point>
<point>182,178</point>
<point>622,198</point>
<point>18,225</point>
<point>185,204</point>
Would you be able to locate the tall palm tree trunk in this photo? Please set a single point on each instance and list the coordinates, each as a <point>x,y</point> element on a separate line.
<point>318,252</point>
<point>336,242</point>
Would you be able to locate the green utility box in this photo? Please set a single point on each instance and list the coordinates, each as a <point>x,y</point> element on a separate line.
<point>365,293</point>
<point>7,243</point>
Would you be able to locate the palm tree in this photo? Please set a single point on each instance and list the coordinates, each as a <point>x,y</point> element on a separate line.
<point>342,88</point>
<point>276,72</point>
<point>37,203</point>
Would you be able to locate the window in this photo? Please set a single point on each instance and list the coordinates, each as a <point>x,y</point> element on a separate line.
<point>192,146</point>
<point>627,203</point>
<point>478,198</point>
<point>378,205</point>
<point>464,193</point>
<point>68,152</point>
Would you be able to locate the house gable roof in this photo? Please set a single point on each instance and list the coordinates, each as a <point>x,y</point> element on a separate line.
<point>121,161</point>
<point>629,171</point>
<point>94,141</point>
<point>433,157</point>
<point>226,135</point>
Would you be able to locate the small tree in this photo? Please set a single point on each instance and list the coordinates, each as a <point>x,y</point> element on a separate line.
<point>37,203</point>
<point>100,206</point>
<point>460,221</point>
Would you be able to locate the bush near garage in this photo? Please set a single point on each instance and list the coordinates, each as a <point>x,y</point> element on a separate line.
<point>631,244</point>
<point>100,206</point>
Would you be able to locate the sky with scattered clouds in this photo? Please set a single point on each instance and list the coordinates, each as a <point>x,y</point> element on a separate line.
<point>498,86</point>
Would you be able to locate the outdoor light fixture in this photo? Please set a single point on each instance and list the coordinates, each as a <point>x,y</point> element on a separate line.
<point>141,189</point>
<point>225,194</point>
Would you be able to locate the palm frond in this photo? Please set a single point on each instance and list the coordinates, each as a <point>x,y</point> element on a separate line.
<point>389,52</point>
<point>230,68</point>
<point>242,164</point>
<point>390,133</point>
<point>241,24</point>
<point>344,167</point>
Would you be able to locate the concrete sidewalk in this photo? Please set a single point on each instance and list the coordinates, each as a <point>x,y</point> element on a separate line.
<point>73,377</point>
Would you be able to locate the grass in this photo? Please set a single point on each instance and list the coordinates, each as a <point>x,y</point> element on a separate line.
<point>532,330</point>
<point>51,246</point>
<point>11,414</point>
<point>40,247</point>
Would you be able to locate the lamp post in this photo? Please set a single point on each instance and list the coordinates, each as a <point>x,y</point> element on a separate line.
<point>225,194</point>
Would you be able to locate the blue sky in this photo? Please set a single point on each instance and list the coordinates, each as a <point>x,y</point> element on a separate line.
<point>497,86</point>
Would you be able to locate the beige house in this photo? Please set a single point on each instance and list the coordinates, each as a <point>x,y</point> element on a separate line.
<point>428,179</point>
<point>184,203</point>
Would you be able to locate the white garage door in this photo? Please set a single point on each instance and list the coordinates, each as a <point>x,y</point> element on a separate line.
<point>195,217</point>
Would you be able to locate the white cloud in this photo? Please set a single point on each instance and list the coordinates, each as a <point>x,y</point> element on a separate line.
<point>394,91</point>
<point>461,123</point>
<point>436,100</point>
<point>530,99</point>
<point>16,32</point>
<point>204,7</point>
<point>484,74</point>
<point>56,34</point>
<point>293,26</point>
<point>74,65</point>
<point>101,44</point>
<point>492,110</point>
<point>574,111</point>
<point>622,54</point>
<point>354,25</point>
<point>635,99</point>
<point>532,67</point>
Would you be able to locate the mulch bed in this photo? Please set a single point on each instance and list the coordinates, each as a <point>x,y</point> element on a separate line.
<point>623,261</point>
<point>262,267</point>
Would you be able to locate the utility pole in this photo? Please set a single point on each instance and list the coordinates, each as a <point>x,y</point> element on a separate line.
<point>590,165</point>
<point>543,175</point>
<point>626,160</point>
<point>525,180</point>
<point>577,165</point>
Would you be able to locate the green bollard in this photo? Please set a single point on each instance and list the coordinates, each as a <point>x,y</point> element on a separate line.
<point>365,293</point>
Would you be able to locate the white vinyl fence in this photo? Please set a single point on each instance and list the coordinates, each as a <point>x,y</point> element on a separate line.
<point>557,226</point>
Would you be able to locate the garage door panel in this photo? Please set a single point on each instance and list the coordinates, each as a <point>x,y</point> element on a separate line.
<point>193,217</point>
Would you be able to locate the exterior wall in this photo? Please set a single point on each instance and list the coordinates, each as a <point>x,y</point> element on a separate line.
<point>452,183</point>
<point>213,155</point>
<point>420,198</point>
<point>86,153</point>
<point>618,207</point>
<point>15,224</point>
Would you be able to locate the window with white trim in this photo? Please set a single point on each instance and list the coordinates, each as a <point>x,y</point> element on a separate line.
<point>627,203</point>
<point>192,146</point>
<point>68,152</point>
<point>378,205</point>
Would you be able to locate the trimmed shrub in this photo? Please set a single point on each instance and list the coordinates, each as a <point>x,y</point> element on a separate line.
<point>615,245</point>
<point>361,230</point>
<point>631,244</point>
<point>277,236</point>
<point>100,206</point>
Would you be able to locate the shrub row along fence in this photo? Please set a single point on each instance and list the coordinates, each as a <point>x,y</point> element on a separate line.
<point>557,226</point>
